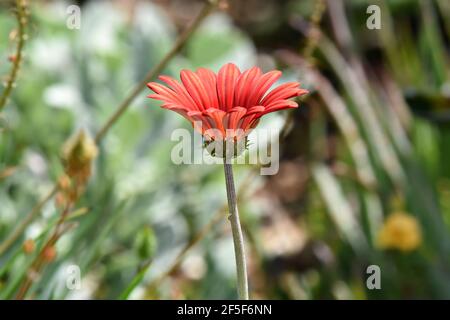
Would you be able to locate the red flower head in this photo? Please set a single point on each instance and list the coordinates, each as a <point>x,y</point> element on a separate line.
<point>229,104</point>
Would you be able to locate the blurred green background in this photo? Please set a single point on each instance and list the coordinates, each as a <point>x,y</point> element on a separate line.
<point>365,161</point>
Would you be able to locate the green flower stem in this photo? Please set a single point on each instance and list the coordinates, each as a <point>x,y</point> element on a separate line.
<point>136,281</point>
<point>238,238</point>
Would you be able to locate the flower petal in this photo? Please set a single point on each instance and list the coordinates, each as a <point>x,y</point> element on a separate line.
<point>279,105</point>
<point>178,109</point>
<point>181,91</point>
<point>196,89</point>
<point>164,93</point>
<point>200,122</point>
<point>264,83</point>
<point>216,118</point>
<point>252,114</point>
<point>209,80</point>
<point>233,118</point>
<point>226,81</point>
<point>282,92</point>
<point>244,86</point>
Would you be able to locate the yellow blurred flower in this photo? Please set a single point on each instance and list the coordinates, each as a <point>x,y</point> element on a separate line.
<point>400,231</point>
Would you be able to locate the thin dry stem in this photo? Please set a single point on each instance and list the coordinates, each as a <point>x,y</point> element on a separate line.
<point>17,58</point>
<point>39,262</point>
<point>8,242</point>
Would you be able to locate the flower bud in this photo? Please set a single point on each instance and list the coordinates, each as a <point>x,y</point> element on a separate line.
<point>49,254</point>
<point>145,243</point>
<point>64,182</point>
<point>78,153</point>
<point>28,246</point>
<point>60,200</point>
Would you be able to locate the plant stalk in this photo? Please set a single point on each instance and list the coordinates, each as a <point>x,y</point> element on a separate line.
<point>22,23</point>
<point>238,239</point>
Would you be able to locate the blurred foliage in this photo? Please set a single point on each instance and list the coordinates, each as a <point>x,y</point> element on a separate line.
<point>372,140</point>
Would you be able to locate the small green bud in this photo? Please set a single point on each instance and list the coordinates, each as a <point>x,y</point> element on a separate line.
<point>145,243</point>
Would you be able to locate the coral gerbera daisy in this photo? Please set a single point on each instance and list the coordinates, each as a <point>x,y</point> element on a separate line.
<point>225,107</point>
<point>228,104</point>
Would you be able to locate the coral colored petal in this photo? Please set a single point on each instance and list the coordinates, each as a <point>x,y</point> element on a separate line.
<point>234,117</point>
<point>239,89</point>
<point>165,93</point>
<point>182,96</point>
<point>255,109</point>
<point>181,92</point>
<point>216,116</point>
<point>284,91</point>
<point>174,105</point>
<point>195,87</point>
<point>244,85</point>
<point>178,109</point>
<point>231,122</point>
<point>209,79</point>
<point>279,105</point>
<point>247,120</point>
<point>302,92</point>
<point>250,116</point>
<point>200,123</point>
<point>248,89</point>
<point>264,83</point>
<point>169,96</point>
<point>156,96</point>
<point>226,80</point>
